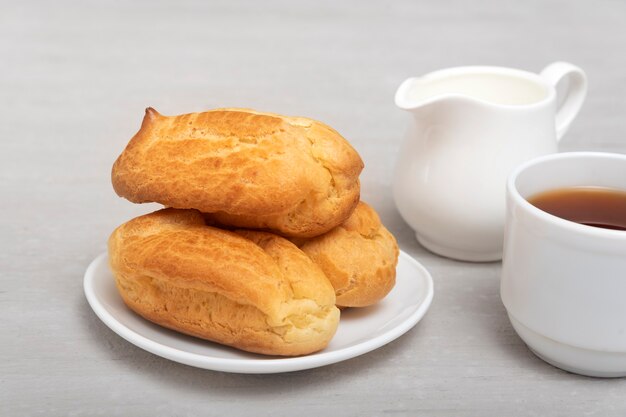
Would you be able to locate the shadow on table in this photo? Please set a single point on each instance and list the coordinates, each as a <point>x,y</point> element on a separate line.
<point>180,376</point>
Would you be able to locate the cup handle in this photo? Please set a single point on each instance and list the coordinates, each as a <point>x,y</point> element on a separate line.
<point>574,96</point>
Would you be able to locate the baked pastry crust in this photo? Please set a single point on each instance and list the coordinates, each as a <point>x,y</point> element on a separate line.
<point>292,175</point>
<point>359,257</point>
<point>251,290</point>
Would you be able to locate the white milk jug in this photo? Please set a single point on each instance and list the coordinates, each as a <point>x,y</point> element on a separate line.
<point>470,127</point>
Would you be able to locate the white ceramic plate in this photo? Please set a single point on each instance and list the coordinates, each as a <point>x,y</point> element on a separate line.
<point>361,330</point>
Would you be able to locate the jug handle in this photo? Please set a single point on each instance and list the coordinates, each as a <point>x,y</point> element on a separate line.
<point>574,96</point>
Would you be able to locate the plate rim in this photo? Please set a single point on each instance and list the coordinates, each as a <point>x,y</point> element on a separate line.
<point>252,366</point>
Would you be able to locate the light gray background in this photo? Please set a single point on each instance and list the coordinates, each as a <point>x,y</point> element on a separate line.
<point>74,80</point>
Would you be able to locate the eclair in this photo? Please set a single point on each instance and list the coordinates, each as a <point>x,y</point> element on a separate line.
<point>291,175</point>
<point>359,257</point>
<point>251,290</point>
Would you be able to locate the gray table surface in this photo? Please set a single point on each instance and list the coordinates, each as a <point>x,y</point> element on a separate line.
<point>74,80</point>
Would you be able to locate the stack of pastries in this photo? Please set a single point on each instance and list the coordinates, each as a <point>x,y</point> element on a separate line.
<point>264,238</point>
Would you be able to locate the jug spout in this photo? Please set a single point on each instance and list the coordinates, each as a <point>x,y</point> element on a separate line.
<point>417,92</point>
<point>403,97</point>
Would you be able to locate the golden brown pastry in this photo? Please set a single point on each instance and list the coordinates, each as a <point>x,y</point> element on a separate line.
<point>359,257</point>
<point>254,291</point>
<point>292,175</point>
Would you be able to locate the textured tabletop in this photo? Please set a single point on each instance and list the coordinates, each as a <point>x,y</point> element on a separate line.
<point>74,80</point>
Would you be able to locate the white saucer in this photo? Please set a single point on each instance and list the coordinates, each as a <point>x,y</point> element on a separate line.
<point>361,330</point>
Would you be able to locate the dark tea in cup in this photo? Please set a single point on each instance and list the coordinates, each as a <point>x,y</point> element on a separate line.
<point>592,206</point>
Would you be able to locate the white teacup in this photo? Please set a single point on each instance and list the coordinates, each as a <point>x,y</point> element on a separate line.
<point>564,283</point>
